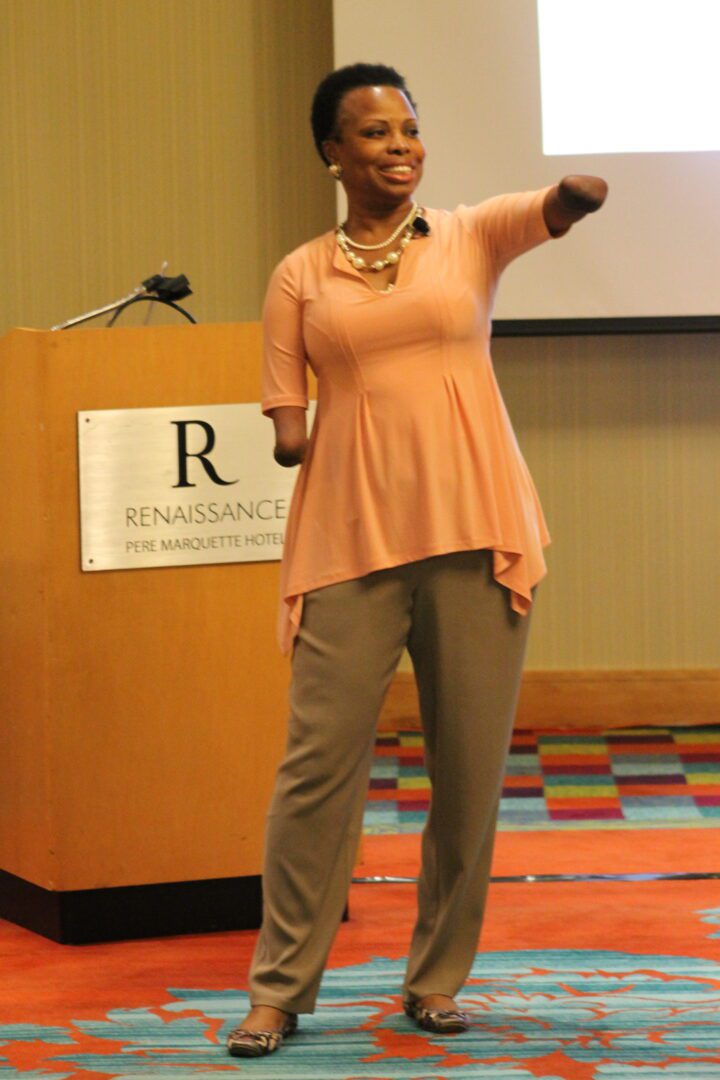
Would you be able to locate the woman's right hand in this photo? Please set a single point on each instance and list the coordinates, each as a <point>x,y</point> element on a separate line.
<point>290,434</point>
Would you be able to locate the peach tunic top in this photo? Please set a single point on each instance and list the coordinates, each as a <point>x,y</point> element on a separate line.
<point>412,453</point>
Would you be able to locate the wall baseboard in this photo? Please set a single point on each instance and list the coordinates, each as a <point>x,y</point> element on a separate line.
<point>583,699</point>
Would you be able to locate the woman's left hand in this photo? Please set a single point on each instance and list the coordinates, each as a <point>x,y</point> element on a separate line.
<point>571,200</point>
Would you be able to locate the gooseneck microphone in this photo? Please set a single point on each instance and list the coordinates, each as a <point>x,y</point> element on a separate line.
<point>157,288</point>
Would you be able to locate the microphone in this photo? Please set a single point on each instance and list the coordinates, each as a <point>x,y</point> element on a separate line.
<point>421,226</point>
<point>166,288</point>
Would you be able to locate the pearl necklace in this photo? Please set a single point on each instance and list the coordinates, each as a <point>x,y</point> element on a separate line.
<point>392,257</point>
<point>383,243</point>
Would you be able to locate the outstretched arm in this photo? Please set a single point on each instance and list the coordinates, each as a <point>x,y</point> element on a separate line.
<point>571,200</point>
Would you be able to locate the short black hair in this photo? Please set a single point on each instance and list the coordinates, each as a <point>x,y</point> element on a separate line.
<point>323,116</point>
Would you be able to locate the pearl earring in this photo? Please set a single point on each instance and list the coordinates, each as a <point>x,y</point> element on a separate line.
<point>336,170</point>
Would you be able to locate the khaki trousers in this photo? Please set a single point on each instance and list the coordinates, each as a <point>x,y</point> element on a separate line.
<point>467,647</point>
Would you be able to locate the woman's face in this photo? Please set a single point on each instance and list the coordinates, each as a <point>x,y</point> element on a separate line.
<point>379,145</point>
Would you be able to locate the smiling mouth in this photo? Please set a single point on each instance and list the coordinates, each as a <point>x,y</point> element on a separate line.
<point>398,170</point>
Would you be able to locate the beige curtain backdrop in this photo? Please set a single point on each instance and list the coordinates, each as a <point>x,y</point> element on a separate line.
<point>133,132</point>
<point>622,435</point>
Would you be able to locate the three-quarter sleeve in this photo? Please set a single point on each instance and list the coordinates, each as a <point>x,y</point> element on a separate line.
<point>507,225</point>
<point>284,373</point>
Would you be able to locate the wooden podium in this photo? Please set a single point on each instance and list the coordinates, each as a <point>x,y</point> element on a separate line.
<point>144,711</point>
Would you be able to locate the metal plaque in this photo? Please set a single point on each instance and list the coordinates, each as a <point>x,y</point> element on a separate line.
<point>180,486</point>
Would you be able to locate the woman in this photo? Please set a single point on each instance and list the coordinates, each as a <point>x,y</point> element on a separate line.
<point>414,523</point>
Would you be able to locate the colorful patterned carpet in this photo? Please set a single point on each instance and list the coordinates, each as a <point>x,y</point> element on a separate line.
<point>619,778</point>
<point>574,982</point>
<point>576,978</point>
<point>551,1014</point>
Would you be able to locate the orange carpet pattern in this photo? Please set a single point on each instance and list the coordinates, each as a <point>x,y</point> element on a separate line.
<point>582,981</point>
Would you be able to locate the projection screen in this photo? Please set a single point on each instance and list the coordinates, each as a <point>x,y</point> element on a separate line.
<point>515,94</point>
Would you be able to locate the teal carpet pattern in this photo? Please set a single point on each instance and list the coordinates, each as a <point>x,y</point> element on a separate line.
<point>596,1013</point>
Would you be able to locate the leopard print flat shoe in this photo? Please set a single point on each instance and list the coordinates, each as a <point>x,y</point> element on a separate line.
<point>244,1043</point>
<point>440,1021</point>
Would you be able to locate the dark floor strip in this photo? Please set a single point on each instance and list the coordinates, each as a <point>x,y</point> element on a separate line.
<point>523,879</point>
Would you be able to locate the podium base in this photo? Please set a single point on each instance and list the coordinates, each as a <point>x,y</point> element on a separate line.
<point>88,916</point>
